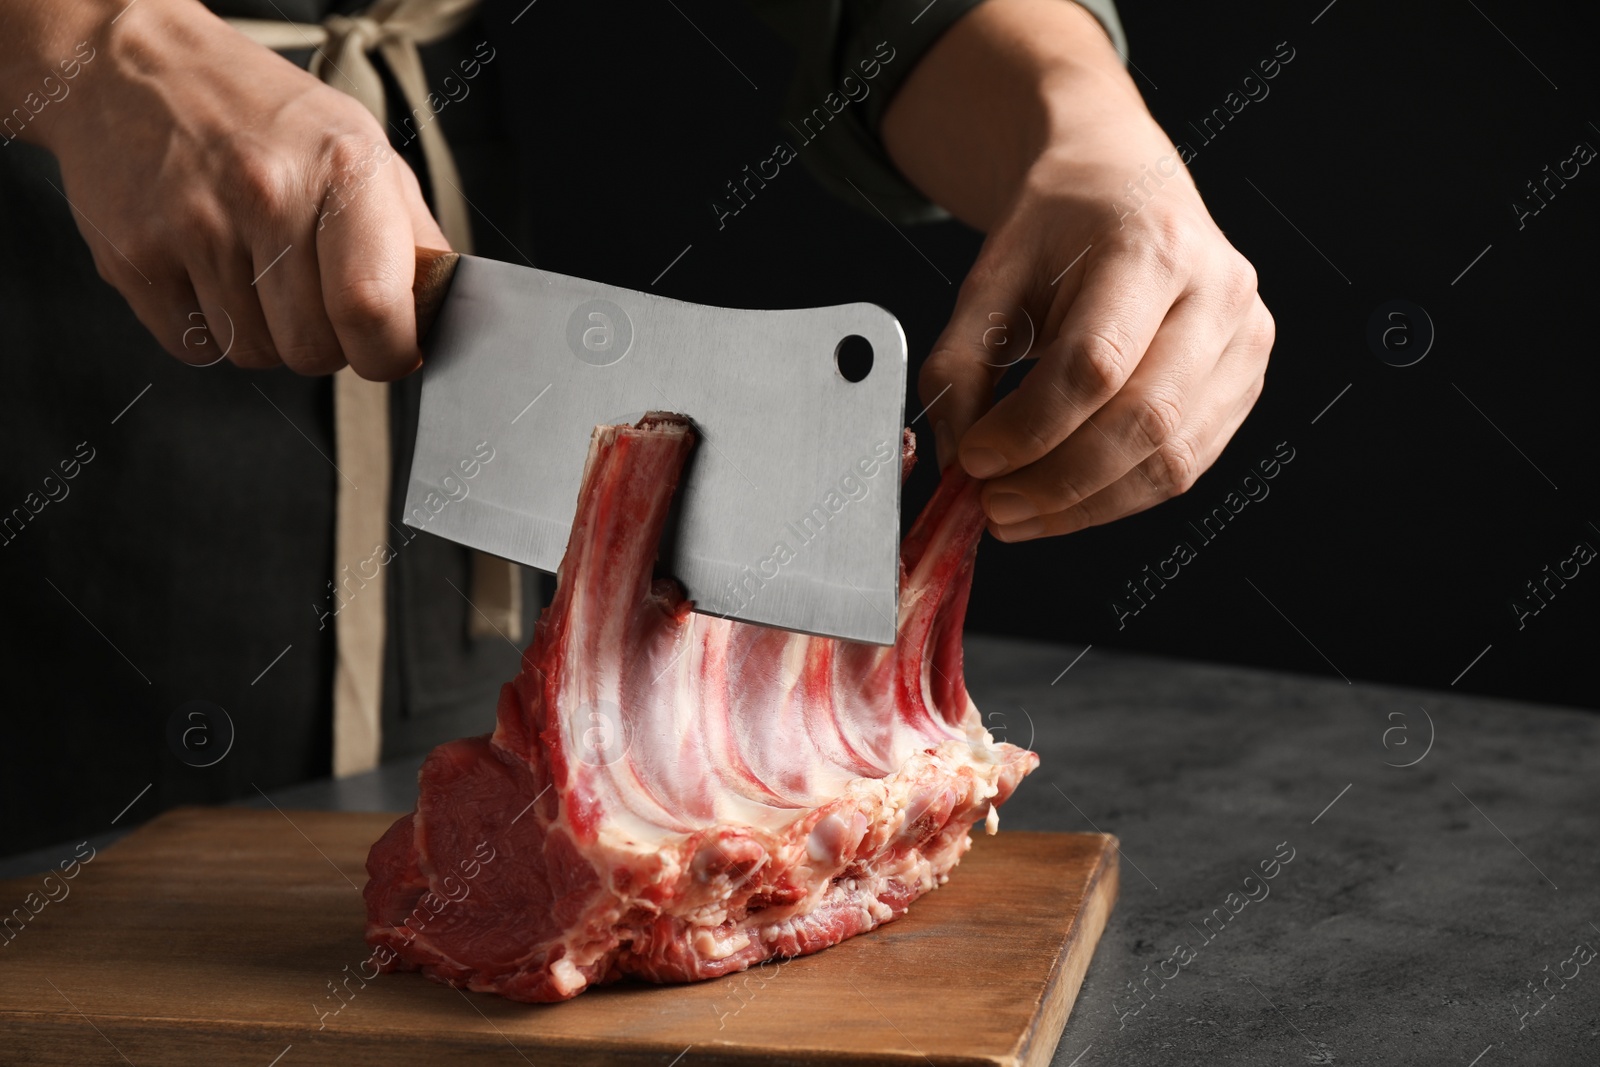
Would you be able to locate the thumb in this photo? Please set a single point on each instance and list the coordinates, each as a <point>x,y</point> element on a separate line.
<point>988,332</point>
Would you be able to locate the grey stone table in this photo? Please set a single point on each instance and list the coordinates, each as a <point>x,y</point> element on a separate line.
<point>1423,914</point>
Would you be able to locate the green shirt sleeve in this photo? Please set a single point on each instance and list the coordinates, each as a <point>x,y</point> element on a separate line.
<point>851,57</point>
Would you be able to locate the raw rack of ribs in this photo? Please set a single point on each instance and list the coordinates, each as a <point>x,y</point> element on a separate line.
<point>674,796</point>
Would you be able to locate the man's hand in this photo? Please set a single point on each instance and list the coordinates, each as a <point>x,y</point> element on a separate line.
<point>1150,338</point>
<point>237,203</point>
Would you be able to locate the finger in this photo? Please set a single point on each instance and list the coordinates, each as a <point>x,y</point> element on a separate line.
<point>1136,491</point>
<point>232,313</point>
<point>1128,429</point>
<point>1111,322</point>
<point>200,347</point>
<point>1214,418</point>
<point>169,309</point>
<point>160,297</point>
<point>366,259</point>
<point>956,383</point>
<point>288,286</point>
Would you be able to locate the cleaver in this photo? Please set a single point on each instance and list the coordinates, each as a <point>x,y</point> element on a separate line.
<point>789,513</point>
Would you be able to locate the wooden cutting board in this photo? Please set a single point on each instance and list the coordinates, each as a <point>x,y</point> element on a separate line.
<point>214,936</point>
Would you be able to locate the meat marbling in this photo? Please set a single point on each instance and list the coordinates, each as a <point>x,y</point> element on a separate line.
<point>675,796</point>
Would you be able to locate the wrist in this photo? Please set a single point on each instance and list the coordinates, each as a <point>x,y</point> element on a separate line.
<point>56,51</point>
<point>1008,85</point>
<point>48,46</point>
<point>1092,129</point>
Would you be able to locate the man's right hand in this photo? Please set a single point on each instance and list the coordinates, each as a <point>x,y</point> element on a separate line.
<point>236,202</point>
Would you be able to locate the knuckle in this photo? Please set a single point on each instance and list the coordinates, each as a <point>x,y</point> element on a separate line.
<point>311,358</point>
<point>260,183</point>
<point>409,180</point>
<point>1253,393</point>
<point>354,158</point>
<point>108,272</point>
<point>1236,285</point>
<point>350,163</point>
<point>935,380</point>
<point>1039,433</point>
<point>136,244</point>
<point>1178,461</point>
<point>1263,331</point>
<point>954,367</point>
<point>940,368</point>
<point>1156,420</point>
<point>114,271</point>
<point>1169,243</point>
<point>985,274</point>
<point>1060,495</point>
<point>195,342</point>
<point>253,356</point>
<point>1100,361</point>
<point>367,302</point>
<point>141,247</point>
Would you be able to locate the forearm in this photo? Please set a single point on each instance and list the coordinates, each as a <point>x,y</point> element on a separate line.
<point>46,48</point>
<point>1010,83</point>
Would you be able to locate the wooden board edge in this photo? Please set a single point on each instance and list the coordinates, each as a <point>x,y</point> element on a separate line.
<point>48,1039</point>
<point>23,883</point>
<point>63,1036</point>
<point>1038,1046</point>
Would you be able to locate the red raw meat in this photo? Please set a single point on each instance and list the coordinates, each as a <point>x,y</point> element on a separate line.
<point>675,796</point>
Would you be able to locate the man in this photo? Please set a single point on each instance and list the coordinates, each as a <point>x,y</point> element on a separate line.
<point>240,205</point>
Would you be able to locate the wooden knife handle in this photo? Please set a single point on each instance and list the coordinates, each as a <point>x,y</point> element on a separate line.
<point>435,269</point>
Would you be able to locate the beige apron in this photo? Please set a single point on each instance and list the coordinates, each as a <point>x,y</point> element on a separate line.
<point>394,29</point>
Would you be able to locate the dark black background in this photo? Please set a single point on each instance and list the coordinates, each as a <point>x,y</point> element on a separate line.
<point>1386,157</point>
<point>1392,148</point>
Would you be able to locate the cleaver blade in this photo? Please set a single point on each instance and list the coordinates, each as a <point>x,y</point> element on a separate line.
<point>789,512</point>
